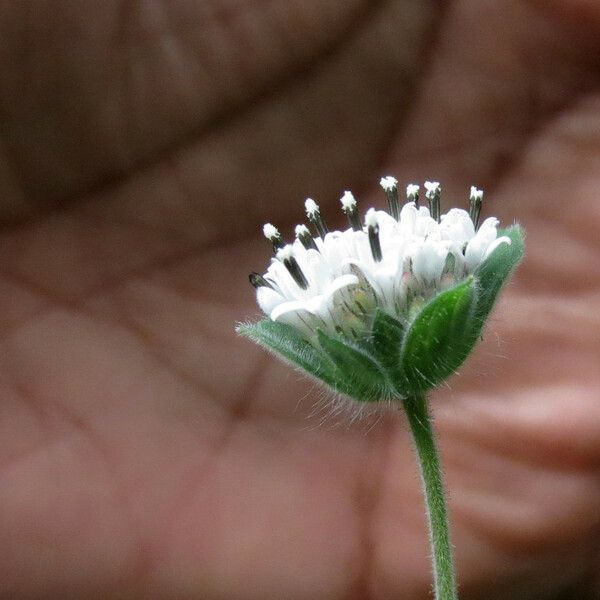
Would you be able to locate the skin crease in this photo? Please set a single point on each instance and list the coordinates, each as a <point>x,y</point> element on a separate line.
<point>145,451</point>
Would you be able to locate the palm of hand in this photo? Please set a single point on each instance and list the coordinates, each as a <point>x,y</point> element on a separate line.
<point>147,452</point>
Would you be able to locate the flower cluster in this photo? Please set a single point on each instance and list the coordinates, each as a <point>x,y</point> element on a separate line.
<point>393,305</point>
<point>395,261</point>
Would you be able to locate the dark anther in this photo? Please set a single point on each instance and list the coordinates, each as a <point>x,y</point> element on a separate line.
<point>291,264</point>
<point>350,208</point>
<point>390,187</point>
<point>257,280</point>
<point>305,237</point>
<point>272,234</point>
<point>475,201</point>
<point>412,194</point>
<point>433,195</point>
<point>314,216</point>
<point>373,229</point>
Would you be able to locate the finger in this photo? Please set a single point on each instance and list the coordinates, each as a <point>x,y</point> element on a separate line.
<point>105,90</point>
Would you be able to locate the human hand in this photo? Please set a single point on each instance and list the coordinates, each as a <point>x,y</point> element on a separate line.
<point>149,453</point>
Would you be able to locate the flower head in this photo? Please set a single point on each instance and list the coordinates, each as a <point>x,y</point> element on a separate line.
<point>335,292</point>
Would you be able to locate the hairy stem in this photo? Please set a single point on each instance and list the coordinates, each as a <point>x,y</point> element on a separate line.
<point>433,487</point>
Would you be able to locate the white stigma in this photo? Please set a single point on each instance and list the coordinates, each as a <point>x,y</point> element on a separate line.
<point>371,218</point>
<point>312,208</point>
<point>476,194</point>
<point>302,230</point>
<point>432,188</point>
<point>271,232</point>
<point>285,253</point>
<point>388,183</point>
<point>412,190</point>
<point>348,201</point>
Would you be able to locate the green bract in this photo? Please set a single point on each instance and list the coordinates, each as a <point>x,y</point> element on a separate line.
<point>400,358</point>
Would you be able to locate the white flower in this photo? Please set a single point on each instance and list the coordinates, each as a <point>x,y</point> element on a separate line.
<point>336,280</point>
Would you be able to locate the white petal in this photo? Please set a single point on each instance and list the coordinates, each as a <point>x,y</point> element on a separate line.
<point>341,282</point>
<point>424,212</point>
<point>426,226</point>
<point>317,270</point>
<point>457,226</point>
<point>497,242</point>
<point>428,261</point>
<point>474,252</point>
<point>323,305</point>
<point>408,218</point>
<point>296,314</point>
<point>488,230</point>
<point>268,299</point>
<point>283,280</point>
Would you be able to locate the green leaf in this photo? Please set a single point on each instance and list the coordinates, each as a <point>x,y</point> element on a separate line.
<point>288,344</point>
<point>493,273</point>
<point>439,339</point>
<point>357,373</point>
<point>387,335</point>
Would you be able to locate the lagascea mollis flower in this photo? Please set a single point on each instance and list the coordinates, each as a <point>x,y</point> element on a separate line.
<point>391,306</point>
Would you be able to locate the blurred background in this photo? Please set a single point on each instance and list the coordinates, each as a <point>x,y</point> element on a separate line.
<point>145,451</point>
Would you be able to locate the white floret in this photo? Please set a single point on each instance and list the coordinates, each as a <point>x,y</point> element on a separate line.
<point>343,278</point>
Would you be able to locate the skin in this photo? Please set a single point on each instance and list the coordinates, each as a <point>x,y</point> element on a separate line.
<point>146,451</point>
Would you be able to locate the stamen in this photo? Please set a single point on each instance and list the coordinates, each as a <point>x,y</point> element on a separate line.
<point>433,193</point>
<point>412,193</point>
<point>303,234</point>
<point>390,187</point>
<point>286,256</point>
<point>272,234</point>
<point>349,206</point>
<point>314,216</point>
<point>257,280</point>
<point>373,230</point>
<point>475,202</point>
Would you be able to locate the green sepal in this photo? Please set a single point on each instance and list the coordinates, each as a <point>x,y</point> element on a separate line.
<point>357,373</point>
<point>446,329</point>
<point>287,343</point>
<point>494,271</point>
<point>438,340</point>
<point>386,339</point>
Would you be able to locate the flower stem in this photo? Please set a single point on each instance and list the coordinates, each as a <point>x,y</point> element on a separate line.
<point>437,513</point>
